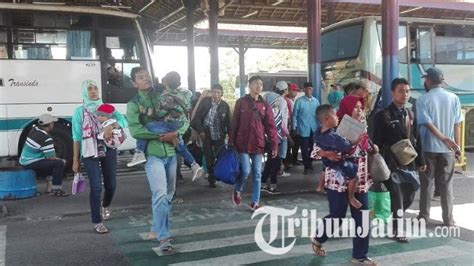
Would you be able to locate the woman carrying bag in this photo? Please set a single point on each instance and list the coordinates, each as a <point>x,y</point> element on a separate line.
<point>396,134</point>
<point>85,128</point>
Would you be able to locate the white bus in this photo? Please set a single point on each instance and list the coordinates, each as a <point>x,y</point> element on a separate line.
<point>351,50</point>
<point>47,51</point>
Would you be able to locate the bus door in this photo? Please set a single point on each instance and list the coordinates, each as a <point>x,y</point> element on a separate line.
<point>120,52</point>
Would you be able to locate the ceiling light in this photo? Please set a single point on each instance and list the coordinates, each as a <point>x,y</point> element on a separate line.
<point>411,10</point>
<point>278,2</point>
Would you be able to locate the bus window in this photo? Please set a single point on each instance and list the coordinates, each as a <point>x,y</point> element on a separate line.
<point>108,22</point>
<point>402,42</point>
<point>454,44</point>
<point>424,46</point>
<point>52,44</point>
<point>121,55</point>
<point>341,43</point>
<point>3,44</point>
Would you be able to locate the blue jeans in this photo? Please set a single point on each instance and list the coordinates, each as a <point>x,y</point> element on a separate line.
<point>338,202</point>
<point>93,168</point>
<point>161,127</point>
<point>245,171</point>
<point>161,175</point>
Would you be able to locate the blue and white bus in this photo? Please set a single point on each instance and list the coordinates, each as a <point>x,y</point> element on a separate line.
<point>47,51</point>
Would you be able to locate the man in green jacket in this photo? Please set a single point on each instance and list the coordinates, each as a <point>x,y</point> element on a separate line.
<point>161,155</point>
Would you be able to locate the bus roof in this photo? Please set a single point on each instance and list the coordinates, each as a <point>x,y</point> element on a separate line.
<point>68,9</point>
<point>281,73</point>
<point>402,19</point>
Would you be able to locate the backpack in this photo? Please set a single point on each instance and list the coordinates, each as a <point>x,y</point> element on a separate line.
<point>227,167</point>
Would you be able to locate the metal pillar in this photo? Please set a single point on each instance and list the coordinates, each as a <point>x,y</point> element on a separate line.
<point>213,41</point>
<point>242,78</point>
<point>190,7</point>
<point>331,13</point>
<point>390,10</point>
<point>314,46</point>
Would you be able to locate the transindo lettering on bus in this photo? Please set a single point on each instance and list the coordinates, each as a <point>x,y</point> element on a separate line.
<point>23,83</point>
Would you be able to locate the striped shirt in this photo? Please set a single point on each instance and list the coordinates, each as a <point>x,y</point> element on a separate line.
<point>39,145</point>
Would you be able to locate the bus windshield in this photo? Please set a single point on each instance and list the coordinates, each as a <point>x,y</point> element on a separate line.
<point>341,43</point>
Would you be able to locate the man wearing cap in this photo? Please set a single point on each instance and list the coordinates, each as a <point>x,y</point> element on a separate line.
<point>439,117</point>
<point>304,123</point>
<point>39,155</point>
<point>292,154</point>
<point>280,114</point>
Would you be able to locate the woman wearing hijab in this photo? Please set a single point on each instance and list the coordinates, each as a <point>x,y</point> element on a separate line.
<point>337,192</point>
<point>85,128</point>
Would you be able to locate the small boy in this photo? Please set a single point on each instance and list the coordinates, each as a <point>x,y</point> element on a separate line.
<point>170,112</point>
<point>327,139</point>
<point>104,115</point>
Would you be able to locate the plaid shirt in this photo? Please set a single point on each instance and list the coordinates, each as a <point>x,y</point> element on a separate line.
<point>332,177</point>
<point>212,122</point>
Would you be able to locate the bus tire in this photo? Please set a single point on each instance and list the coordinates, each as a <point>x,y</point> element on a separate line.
<point>63,144</point>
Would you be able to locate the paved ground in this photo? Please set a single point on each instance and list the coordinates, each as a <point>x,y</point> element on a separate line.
<point>209,230</point>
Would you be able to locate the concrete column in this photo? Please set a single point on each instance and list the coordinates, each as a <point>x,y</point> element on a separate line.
<point>242,78</point>
<point>390,13</point>
<point>190,7</point>
<point>314,46</point>
<point>213,41</point>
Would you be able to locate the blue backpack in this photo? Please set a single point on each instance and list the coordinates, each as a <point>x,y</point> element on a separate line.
<point>227,167</point>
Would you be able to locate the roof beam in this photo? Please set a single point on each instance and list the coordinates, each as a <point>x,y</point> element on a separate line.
<point>443,4</point>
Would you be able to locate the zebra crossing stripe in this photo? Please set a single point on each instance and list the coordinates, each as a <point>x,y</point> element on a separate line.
<point>3,244</point>
<point>420,256</point>
<point>260,256</point>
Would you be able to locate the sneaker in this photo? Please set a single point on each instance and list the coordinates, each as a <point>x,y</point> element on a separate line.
<point>253,206</point>
<point>365,261</point>
<point>197,170</point>
<point>274,191</point>
<point>236,199</point>
<point>265,188</point>
<point>100,228</point>
<point>138,158</point>
<point>105,213</point>
<point>59,193</point>
<point>285,174</point>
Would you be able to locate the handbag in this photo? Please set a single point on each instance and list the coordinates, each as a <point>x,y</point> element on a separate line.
<point>378,168</point>
<point>403,150</point>
<point>403,176</point>
<point>227,167</point>
<point>78,184</point>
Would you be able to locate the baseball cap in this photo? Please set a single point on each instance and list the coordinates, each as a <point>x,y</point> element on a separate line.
<point>45,119</point>
<point>293,87</point>
<point>105,110</point>
<point>434,74</point>
<point>281,85</point>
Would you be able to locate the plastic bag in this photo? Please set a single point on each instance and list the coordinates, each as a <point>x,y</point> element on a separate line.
<point>379,205</point>
<point>78,184</point>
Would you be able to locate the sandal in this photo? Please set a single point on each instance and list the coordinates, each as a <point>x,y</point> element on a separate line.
<point>317,247</point>
<point>101,229</point>
<point>59,193</point>
<point>364,261</point>
<point>165,246</point>
<point>152,237</point>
